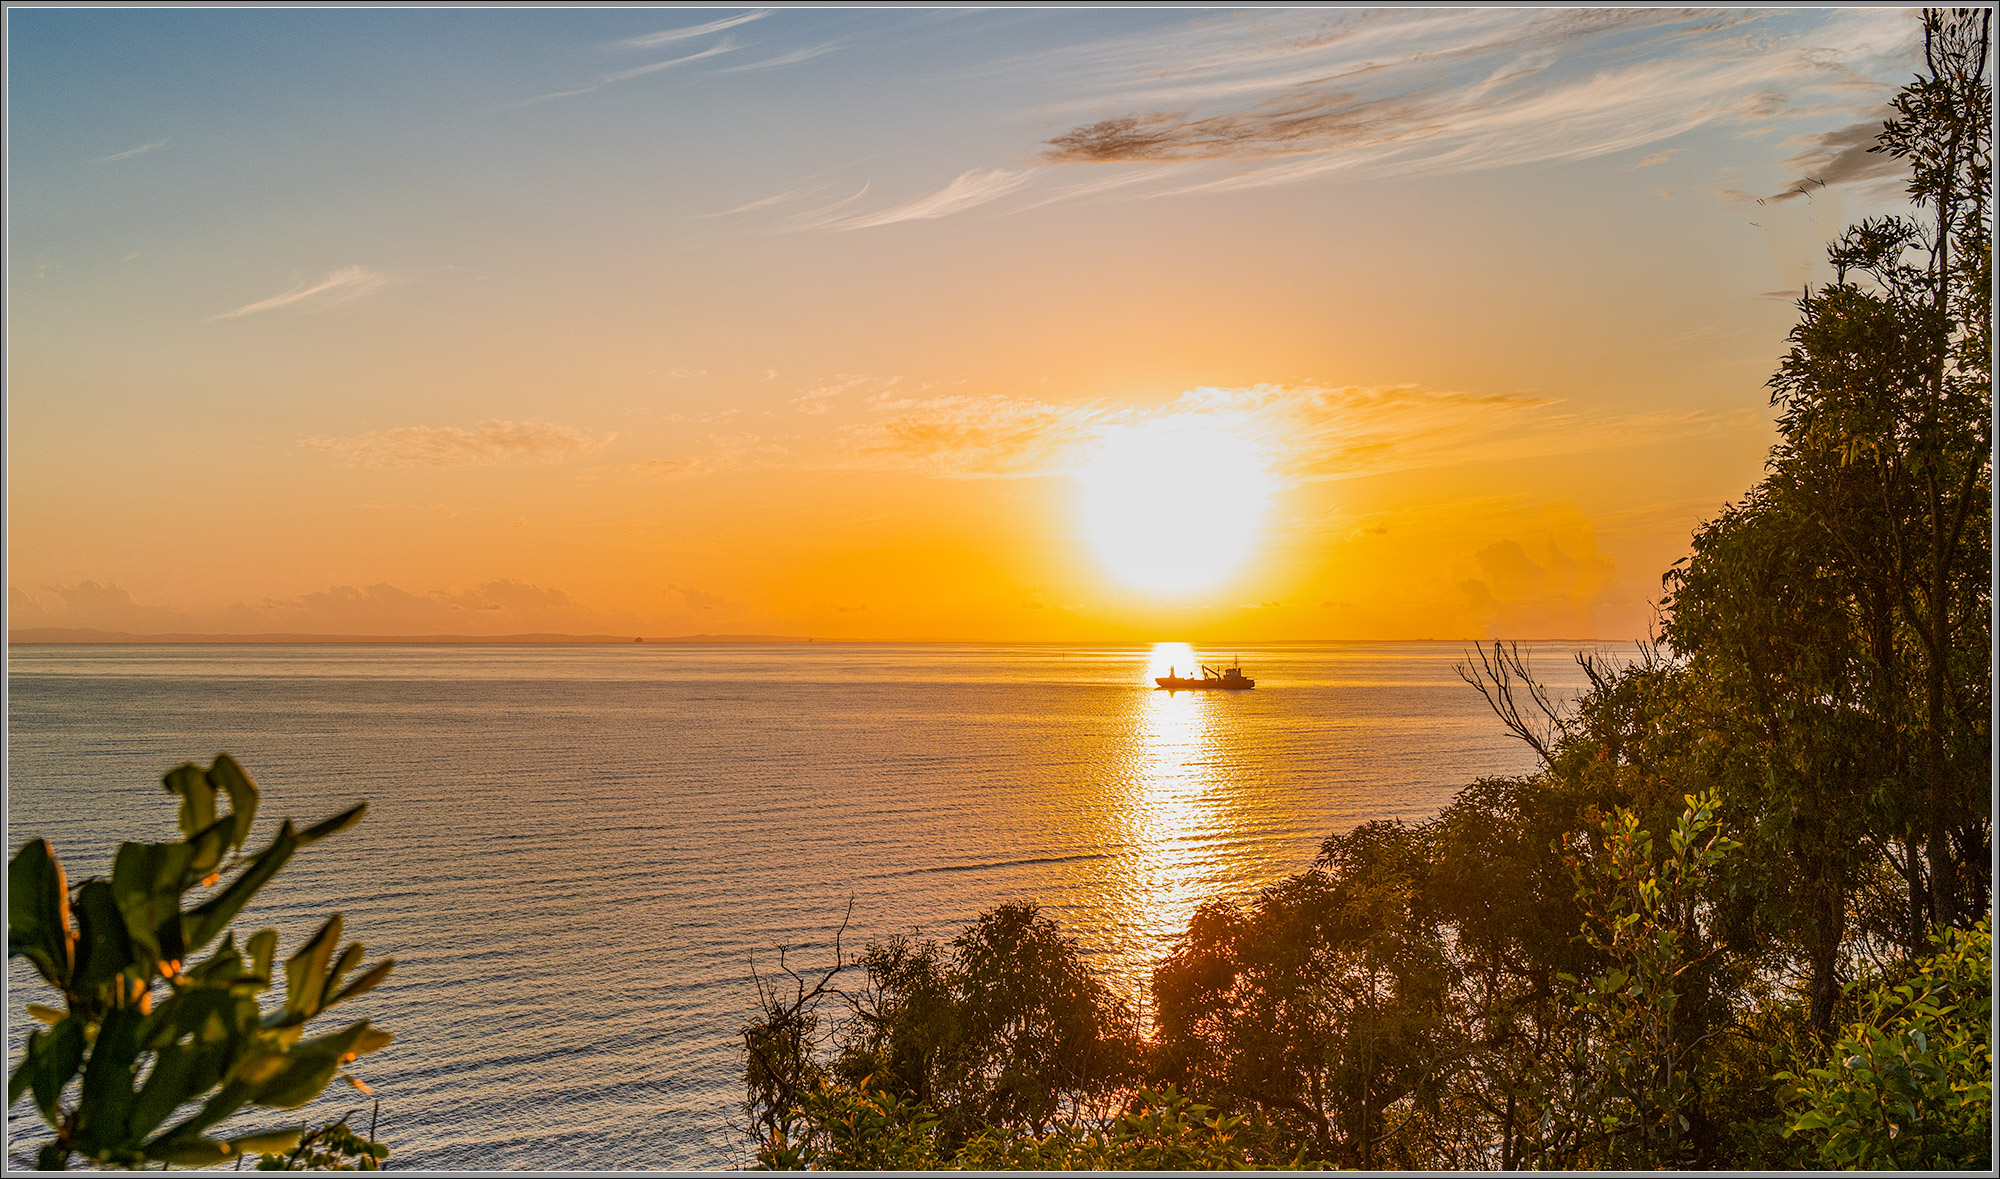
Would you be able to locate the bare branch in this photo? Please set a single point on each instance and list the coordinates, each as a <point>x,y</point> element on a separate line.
<point>1502,679</point>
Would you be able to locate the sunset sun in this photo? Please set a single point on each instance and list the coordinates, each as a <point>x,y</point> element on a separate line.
<point>1172,510</point>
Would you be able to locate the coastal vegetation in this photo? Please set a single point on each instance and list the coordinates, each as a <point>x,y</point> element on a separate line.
<point>1738,917</point>
<point>156,1044</point>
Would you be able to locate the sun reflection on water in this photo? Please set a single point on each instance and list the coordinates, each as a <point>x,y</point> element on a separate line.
<point>1173,805</point>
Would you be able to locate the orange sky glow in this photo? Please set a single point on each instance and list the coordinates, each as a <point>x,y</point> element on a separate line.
<point>823,323</point>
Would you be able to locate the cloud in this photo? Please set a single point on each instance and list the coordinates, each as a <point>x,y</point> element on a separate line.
<point>711,418</point>
<point>694,599</point>
<point>490,443</point>
<point>760,203</point>
<point>973,188</point>
<point>499,606</point>
<point>1307,433</point>
<point>724,46</point>
<point>1842,156</point>
<point>784,59</point>
<point>342,286</point>
<point>976,436</point>
<point>88,605</point>
<point>1552,586</point>
<point>141,150</point>
<point>814,401</point>
<point>723,452</point>
<point>1280,97</point>
<point>1274,97</point>
<point>668,37</point>
<point>1658,158</point>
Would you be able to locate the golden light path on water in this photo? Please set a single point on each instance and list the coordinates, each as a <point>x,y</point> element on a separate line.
<point>1172,811</point>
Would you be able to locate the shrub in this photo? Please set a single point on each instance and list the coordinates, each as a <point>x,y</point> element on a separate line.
<point>145,1030</point>
<point>1910,1082</point>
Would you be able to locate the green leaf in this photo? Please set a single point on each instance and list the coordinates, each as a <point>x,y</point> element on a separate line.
<point>191,1152</point>
<point>176,1077</point>
<point>369,979</point>
<point>263,946</point>
<point>52,1058</point>
<point>146,881</point>
<point>38,920</point>
<point>311,1065</point>
<point>210,918</point>
<point>17,1085</point>
<point>267,1141</point>
<point>106,1105</point>
<point>227,1100</point>
<point>299,1081</point>
<point>222,967</point>
<point>305,972</point>
<point>348,960</point>
<point>103,947</point>
<point>206,848</point>
<point>242,794</point>
<point>333,826</point>
<point>197,797</point>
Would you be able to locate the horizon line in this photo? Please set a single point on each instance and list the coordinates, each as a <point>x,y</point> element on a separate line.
<point>89,636</point>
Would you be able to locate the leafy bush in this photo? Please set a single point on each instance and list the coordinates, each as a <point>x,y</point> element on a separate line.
<point>145,1030</point>
<point>1910,1082</point>
<point>845,1127</point>
<point>1006,1028</point>
<point>1643,917</point>
<point>332,1147</point>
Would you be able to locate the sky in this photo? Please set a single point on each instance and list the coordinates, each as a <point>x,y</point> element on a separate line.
<point>1063,325</point>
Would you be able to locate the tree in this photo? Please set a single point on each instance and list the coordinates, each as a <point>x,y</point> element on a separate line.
<point>144,1030</point>
<point>1321,1006</point>
<point>1006,1029</point>
<point>1886,453</point>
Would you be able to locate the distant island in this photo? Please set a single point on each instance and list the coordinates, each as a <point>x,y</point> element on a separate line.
<point>62,634</point>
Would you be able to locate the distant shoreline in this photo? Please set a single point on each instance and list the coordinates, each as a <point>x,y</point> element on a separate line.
<point>64,636</point>
<point>50,636</point>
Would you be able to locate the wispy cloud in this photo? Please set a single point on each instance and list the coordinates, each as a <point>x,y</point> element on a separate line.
<point>977,436</point>
<point>1308,433</point>
<point>341,286</point>
<point>490,443</point>
<point>1452,91</point>
<point>1837,157</point>
<point>669,36</point>
<point>612,79</point>
<point>1268,98</point>
<point>764,202</point>
<point>976,187</point>
<point>719,452</point>
<point>784,59</point>
<point>723,46</point>
<point>141,150</point>
<point>815,400</point>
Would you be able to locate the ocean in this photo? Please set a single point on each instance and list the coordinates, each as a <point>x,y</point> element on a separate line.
<point>579,854</point>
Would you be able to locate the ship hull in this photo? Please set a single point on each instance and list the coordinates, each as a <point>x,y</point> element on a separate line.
<point>1175,684</point>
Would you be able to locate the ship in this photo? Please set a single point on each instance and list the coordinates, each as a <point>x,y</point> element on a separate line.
<point>1228,679</point>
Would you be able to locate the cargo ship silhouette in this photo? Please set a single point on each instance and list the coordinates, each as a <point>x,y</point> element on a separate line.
<point>1229,679</point>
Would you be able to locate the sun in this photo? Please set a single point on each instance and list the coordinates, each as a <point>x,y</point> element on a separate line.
<point>1172,510</point>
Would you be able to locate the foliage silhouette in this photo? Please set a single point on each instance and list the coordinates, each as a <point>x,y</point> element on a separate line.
<point>145,1030</point>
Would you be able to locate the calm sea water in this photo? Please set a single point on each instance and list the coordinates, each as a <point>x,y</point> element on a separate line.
<point>577,854</point>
